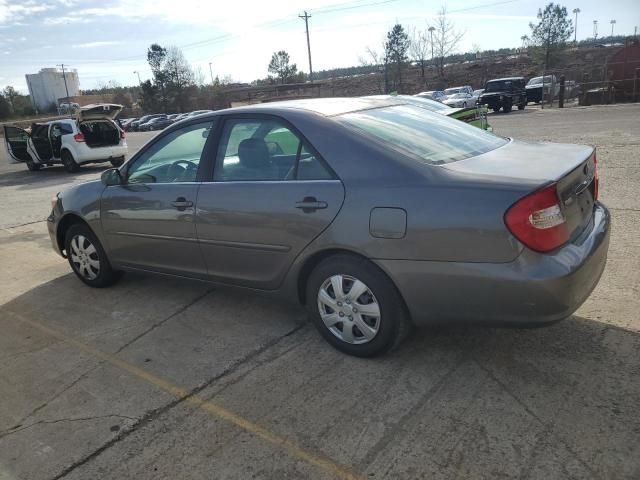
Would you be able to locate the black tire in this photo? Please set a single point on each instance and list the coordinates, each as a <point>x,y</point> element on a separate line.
<point>521,107</point>
<point>117,162</point>
<point>464,105</point>
<point>33,167</point>
<point>105,275</point>
<point>393,324</point>
<point>495,109</point>
<point>69,163</point>
<point>507,107</point>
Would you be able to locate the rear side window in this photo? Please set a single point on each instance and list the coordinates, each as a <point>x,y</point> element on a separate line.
<point>429,137</point>
<point>265,150</point>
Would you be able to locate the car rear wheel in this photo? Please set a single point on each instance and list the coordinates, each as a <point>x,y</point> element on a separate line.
<point>521,107</point>
<point>507,107</point>
<point>69,163</point>
<point>356,307</point>
<point>88,259</point>
<point>33,167</point>
<point>495,109</point>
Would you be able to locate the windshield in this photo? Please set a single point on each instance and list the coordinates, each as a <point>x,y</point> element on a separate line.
<point>538,80</point>
<point>429,137</point>
<point>427,103</point>
<point>499,86</point>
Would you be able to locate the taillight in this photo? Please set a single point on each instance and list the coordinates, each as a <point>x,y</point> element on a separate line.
<point>537,220</point>
<point>79,137</point>
<point>596,177</point>
<point>122,134</point>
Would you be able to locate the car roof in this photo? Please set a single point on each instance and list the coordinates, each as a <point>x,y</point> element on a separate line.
<point>504,79</point>
<point>328,107</point>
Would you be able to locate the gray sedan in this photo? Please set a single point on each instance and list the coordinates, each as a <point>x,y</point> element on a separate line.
<point>375,214</point>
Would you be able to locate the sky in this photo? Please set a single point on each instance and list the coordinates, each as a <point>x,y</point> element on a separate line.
<point>107,40</point>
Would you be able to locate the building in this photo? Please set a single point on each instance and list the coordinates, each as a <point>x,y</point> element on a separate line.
<point>48,85</point>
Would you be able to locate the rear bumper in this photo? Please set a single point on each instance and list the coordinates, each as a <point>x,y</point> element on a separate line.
<point>87,154</point>
<point>532,290</point>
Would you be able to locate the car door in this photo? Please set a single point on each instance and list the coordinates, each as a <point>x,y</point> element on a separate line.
<point>40,141</point>
<point>18,145</point>
<point>270,195</point>
<point>149,220</point>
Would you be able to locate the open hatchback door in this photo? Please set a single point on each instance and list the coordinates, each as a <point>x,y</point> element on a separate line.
<point>98,111</point>
<point>17,142</point>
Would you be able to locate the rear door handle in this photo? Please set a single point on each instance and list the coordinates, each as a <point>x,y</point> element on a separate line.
<point>182,204</point>
<point>309,204</point>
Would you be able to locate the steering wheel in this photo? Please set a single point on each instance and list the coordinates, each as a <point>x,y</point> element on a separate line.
<point>177,171</point>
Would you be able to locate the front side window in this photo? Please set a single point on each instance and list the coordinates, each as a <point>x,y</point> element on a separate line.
<point>430,137</point>
<point>265,150</point>
<point>173,158</point>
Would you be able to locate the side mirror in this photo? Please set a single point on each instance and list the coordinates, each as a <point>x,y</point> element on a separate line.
<point>111,177</point>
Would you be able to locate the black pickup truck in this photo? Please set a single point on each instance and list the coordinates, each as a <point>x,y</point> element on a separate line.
<point>504,93</point>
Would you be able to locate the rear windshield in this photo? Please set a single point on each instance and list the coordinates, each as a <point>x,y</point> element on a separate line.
<point>430,137</point>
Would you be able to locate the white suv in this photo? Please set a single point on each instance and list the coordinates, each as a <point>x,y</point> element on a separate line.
<point>92,137</point>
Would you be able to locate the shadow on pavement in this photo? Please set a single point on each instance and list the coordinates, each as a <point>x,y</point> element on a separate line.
<point>49,175</point>
<point>552,402</point>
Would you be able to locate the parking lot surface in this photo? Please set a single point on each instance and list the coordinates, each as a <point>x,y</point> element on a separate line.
<point>158,378</point>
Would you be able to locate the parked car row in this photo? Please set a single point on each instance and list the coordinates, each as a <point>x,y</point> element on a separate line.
<point>504,93</point>
<point>156,121</point>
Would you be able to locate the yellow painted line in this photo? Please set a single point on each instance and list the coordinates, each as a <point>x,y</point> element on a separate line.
<point>318,460</point>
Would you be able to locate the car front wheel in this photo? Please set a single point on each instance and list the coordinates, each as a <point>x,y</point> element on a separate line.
<point>87,258</point>
<point>32,166</point>
<point>356,307</point>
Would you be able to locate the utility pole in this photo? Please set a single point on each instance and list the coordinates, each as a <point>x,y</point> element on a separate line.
<point>211,73</point>
<point>431,30</point>
<point>64,77</point>
<point>575,30</point>
<point>306,18</point>
<point>612,22</point>
<point>595,29</point>
<point>138,73</point>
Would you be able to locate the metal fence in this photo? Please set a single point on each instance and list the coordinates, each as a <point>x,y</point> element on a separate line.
<point>601,83</point>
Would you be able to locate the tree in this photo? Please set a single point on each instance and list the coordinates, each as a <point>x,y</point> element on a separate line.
<point>279,66</point>
<point>553,30</point>
<point>155,57</point>
<point>10,94</point>
<point>419,48</point>
<point>5,108</point>
<point>395,52</point>
<point>445,38</point>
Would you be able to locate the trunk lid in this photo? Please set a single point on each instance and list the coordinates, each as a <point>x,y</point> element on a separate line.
<point>99,111</point>
<point>571,167</point>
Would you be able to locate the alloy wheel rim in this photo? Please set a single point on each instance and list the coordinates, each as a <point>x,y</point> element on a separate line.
<point>84,257</point>
<point>349,309</point>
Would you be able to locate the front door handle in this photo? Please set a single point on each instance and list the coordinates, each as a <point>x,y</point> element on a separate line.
<point>310,204</point>
<point>182,204</point>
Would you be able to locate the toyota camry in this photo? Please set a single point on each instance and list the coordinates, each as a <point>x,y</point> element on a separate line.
<point>374,214</point>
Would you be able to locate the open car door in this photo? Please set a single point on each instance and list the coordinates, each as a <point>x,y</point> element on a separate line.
<point>17,143</point>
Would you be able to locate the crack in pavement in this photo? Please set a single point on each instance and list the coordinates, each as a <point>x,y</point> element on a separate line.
<point>55,396</point>
<point>526,408</point>
<point>161,322</point>
<point>48,422</point>
<point>151,415</point>
<point>400,424</point>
